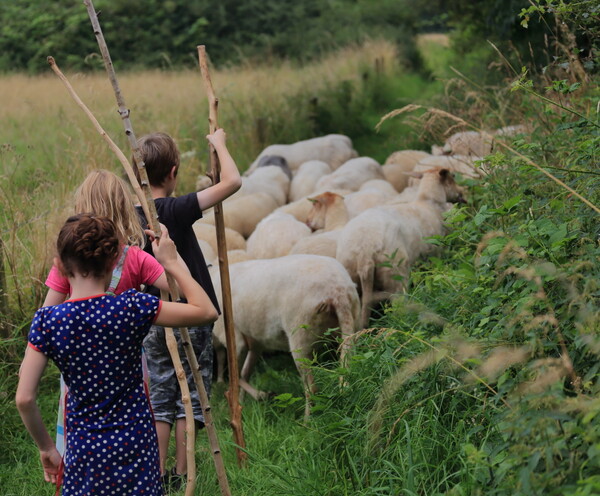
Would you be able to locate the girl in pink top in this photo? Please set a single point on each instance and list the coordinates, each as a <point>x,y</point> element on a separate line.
<point>105,194</point>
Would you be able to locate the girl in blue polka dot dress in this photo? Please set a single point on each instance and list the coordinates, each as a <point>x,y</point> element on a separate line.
<point>95,339</point>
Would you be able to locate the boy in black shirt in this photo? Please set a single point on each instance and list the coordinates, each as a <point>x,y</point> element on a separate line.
<point>161,156</point>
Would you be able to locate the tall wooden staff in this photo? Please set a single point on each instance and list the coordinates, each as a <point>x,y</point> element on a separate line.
<point>153,219</point>
<point>232,394</point>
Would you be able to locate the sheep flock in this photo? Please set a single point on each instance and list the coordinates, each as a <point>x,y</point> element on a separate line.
<point>317,236</point>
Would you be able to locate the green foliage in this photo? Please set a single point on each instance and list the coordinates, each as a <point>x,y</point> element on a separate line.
<point>158,34</point>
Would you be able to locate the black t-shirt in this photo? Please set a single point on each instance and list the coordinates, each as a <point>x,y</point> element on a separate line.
<point>179,214</point>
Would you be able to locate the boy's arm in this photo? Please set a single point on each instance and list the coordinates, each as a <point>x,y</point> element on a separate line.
<point>30,374</point>
<point>199,309</point>
<point>230,175</point>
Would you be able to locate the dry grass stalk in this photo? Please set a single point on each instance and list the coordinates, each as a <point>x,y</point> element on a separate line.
<point>500,359</point>
<point>548,372</point>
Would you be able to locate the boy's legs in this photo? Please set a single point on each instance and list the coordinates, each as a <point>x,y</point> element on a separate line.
<point>201,338</point>
<point>164,389</point>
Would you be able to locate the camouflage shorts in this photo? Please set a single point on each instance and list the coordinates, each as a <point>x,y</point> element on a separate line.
<point>165,396</point>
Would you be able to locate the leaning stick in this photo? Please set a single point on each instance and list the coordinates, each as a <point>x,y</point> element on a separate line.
<point>185,337</point>
<point>150,211</point>
<point>111,144</point>
<point>186,400</point>
<point>232,395</point>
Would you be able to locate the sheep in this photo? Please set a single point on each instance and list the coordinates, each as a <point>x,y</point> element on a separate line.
<point>303,183</point>
<point>244,213</point>
<point>299,209</point>
<point>324,244</point>
<point>381,185</point>
<point>406,157</point>
<point>398,164</point>
<point>334,149</point>
<point>328,214</point>
<point>207,251</point>
<point>206,232</point>
<point>269,179</point>
<point>469,143</point>
<point>236,256</point>
<point>275,236</point>
<point>380,239</point>
<point>287,304</point>
<point>512,130</point>
<point>462,164</point>
<point>203,182</point>
<point>351,175</point>
<point>278,161</point>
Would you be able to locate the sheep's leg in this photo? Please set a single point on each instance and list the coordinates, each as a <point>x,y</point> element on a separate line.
<point>308,380</point>
<point>366,275</point>
<point>249,362</point>
<point>221,360</point>
<point>347,319</point>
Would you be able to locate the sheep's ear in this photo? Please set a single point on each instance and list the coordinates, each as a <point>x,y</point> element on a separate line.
<point>445,174</point>
<point>418,175</point>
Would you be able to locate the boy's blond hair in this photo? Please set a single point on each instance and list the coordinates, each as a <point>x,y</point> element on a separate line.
<point>105,194</point>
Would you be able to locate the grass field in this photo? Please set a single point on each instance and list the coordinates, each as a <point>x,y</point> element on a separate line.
<point>482,380</point>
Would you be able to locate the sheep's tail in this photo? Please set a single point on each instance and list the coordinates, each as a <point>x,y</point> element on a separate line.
<point>366,276</point>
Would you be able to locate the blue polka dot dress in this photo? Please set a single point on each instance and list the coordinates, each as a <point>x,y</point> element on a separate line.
<point>96,342</point>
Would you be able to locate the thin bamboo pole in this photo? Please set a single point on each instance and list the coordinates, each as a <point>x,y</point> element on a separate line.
<point>232,393</point>
<point>173,289</point>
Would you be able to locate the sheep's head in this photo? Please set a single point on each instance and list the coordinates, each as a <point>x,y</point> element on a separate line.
<point>321,203</point>
<point>454,192</point>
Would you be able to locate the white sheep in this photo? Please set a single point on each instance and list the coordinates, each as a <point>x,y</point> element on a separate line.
<point>398,164</point>
<point>275,236</point>
<point>378,247</point>
<point>382,185</point>
<point>406,157</point>
<point>464,165</point>
<point>299,209</point>
<point>270,179</point>
<point>334,149</point>
<point>305,180</point>
<point>287,304</point>
<point>236,256</point>
<point>469,143</point>
<point>207,232</point>
<point>209,254</point>
<point>328,215</point>
<point>351,175</point>
<point>244,213</point>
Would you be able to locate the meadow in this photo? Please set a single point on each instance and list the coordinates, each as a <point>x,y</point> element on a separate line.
<point>483,379</point>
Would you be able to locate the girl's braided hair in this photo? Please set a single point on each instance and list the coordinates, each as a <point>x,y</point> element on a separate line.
<point>88,244</point>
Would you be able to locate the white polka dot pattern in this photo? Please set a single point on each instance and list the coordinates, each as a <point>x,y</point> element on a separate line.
<point>111,443</point>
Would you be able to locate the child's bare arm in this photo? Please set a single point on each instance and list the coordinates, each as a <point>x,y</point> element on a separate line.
<point>53,297</point>
<point>230,175</point>
<point>30,374</point>
<point>199,309</point>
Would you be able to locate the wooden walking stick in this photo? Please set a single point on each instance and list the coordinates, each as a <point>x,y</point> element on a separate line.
<point>191,356</point>
<point>232,394</point>
<point>169,336</point>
